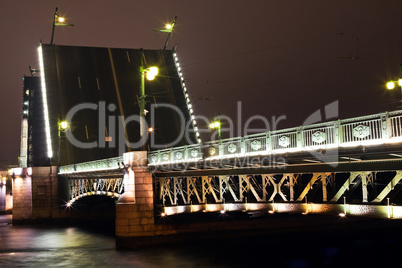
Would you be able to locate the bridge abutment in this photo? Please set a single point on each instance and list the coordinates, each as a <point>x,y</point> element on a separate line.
<point>36,195</point>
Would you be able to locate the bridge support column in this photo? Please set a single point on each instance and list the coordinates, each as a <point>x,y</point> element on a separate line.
<point>324,188</point>
<point>364,188</point>
<point>135,221</point>
<point>35,195</point>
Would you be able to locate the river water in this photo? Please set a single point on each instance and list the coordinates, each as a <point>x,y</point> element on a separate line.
<point>84,246</point>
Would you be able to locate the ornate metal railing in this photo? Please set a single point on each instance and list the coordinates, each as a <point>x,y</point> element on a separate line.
<point>97,165</point>
<point>366,130</point>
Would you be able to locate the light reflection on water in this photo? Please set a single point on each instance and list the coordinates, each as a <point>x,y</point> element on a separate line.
<point>50,246</point>
<point>44,246</point>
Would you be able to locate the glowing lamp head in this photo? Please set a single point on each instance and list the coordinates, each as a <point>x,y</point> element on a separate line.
<point>152,72</point>
<point>168,26</point>
<point>151,129</point>
<point>215,124</point>
<point>60,19</point>
<point>400,82</point>
<point>390,85</point>
<point>63,125</point>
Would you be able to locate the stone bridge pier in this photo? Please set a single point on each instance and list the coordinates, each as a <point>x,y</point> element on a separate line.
<point>36,195</point>
<point>135,207</point>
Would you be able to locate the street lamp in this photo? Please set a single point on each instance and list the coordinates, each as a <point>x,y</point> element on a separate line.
<point>150,73</point>
<point>61,126</point>
<point>216,125</point>
<point>168,29</point>
<point>58,21</point>
<point>392,84</point>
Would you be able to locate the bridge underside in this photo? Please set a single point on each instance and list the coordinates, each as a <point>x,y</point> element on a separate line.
<point>99,183</point>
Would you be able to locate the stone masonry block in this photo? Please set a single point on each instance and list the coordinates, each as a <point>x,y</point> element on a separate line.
<point>143,194</point>
<point>132,222</point>
<point>144,187</point>
<point>138,180</point>
<point>120,222</point>
<point>135,228</point>
<point>145,221</point>
<point>132,215</point>
<point>148,228</point>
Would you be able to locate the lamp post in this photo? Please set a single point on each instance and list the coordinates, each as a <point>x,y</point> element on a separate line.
<point>168,29</point>
<point>216,125</point>
<point>61,126</point>
<point>392,84</point>
<point>150,73</point>
<point>58,21</point>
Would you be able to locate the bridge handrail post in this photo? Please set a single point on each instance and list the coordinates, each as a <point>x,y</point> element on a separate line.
<point>185,153</point>
<point>386,126</point>
<point>338,132</point>
<point>268,142</point>
<point>243,145</point>
<point>299,137</point>
<point>221,148</point>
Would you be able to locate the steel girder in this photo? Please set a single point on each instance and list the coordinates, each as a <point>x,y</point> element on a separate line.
<point>95,186</point>
<point>187,190</point>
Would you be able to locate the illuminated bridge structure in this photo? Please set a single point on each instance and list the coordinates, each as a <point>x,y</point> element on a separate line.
<point>350,166</point>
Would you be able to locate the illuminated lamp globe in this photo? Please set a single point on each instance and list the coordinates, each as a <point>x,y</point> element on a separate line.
<point>63,125</point>
<point>152,72</point>
<point>60,19</point>
<point>390,85</point>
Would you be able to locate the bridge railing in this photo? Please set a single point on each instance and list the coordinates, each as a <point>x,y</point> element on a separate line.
<point>366,130</point>
<point>97,165</point>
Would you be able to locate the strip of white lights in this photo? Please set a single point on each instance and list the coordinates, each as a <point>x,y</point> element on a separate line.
<point>189,106</point>
<point>45,106</point>
<point>88,170</point>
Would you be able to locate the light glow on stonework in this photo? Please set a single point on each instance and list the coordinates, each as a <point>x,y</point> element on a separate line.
<point>44,101</point>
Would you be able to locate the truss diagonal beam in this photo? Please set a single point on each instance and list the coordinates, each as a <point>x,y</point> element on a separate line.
<point>309,186</point>
<point>346,185</point>
<point>389,187</point>
<point>226,180</point>
<point>277,187</point>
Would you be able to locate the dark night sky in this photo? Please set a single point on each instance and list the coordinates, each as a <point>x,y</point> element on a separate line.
<point>288,57</point>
